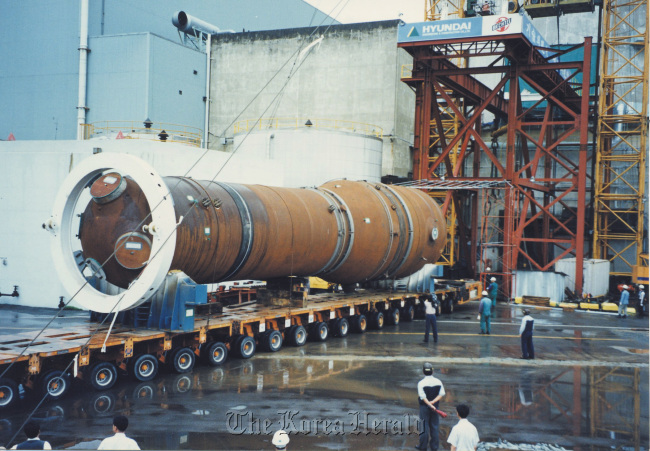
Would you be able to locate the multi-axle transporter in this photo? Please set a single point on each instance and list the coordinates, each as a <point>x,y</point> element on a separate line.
<point>123,234</point>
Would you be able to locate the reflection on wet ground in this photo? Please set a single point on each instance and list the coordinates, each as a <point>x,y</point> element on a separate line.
<point>587,389</point>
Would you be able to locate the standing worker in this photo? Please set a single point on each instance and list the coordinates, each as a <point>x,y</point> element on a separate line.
<point>526,333</point>
<point>430,391</point>
<point>463,436</point>
<point>33,431</point>
<point>623,302</point>
<point>430,317</point>
<point>484,312</point>
<point>493,288</point>
<point>119,440</point>
<point>641,302</point>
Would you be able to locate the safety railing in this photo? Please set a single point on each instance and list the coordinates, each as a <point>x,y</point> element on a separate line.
<point>158,131</point>
<point>298,123</point>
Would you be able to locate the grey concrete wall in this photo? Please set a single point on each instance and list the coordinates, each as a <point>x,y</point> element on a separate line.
<point>352,75</point>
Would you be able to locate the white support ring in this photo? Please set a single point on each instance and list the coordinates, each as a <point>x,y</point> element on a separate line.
<point>163,242</point>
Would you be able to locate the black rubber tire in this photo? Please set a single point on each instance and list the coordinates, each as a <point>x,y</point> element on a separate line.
<point>215,353</point>
<point>376,320</point>
<point>359,323</point>
<point>340,327</point>
<point>272,341</point>
<point>297,335</point>
<point>55,383</point>
<point>319,331</point>
<point>144,367</point>
<point>245,346</point>
<point>393,316</point>
<point>408,313</point>
<point>9,393</point>
<point>102,376</point>
<point>182,360</point>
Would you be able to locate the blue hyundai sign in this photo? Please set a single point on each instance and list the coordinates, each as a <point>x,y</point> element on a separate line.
<point>440,29</point>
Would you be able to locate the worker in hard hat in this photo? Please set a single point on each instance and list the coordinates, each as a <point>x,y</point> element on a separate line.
<point>484,312</point>
<point>493,288</point>
<point>526,334</point>
<point>641,304</point>
<point>430,392</point>
<point>280,439</point>
<point>623,302</point>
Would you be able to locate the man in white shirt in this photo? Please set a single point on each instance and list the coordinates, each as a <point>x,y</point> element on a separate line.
<point>430,392</point>
<point>430,317</point>
<point>119,440</point>
<point>463,436</point>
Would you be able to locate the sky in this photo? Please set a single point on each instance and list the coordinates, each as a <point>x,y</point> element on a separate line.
<point>354,11</point>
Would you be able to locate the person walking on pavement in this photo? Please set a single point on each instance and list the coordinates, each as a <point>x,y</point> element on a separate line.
<point>430,392</point>
<point>119,440</point>
<point>430,317</point>
<point>493,289</point>
<point>463,436</point>
<point>623,302</point>
<point>32,430</point>
<point>484,312</point>
<point>526,333</point>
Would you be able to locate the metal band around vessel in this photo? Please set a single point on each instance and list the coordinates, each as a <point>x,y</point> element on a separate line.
<point>247,230</point>
<point>409,220</point>
<point>348,215</point>
<point>340,222</point>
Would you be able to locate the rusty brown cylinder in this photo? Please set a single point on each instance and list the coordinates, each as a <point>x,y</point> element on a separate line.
<point>343,231</point>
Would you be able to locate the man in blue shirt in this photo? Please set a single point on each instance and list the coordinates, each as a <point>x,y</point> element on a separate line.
<point>493,289</point>
<point>623,302</point>
<point>484,312</point>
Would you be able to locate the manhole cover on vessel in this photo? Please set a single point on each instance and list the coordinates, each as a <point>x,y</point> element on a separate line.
<point>132,250</point>
<point>108,187</point>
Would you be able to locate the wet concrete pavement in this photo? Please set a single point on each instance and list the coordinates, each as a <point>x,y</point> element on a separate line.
<point>586,389</point>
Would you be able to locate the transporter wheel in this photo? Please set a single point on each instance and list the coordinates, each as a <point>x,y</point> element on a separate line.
<point>340,327</point>
<point>245,346</point>
<point>215,353</point>
<point>319,331</point>
<point>272,341</point>
<point>182,360</point>
<point>8,393</point>
<point>359,323</point>
<point>102,376</point>
<point>377,320</point>
<point>297,335</point>
<point>392,316</point>
<point>408,313</point>
<point>54,383</point>
<point>144,367</point>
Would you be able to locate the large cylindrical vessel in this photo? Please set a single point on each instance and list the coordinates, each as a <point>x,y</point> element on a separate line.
<point>343,231</point>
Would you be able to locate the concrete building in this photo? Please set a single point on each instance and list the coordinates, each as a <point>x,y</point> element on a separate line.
<point>349,81</point>
<point>137,68</point>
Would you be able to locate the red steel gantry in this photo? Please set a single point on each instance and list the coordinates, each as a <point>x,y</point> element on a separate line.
<point>542,172</point>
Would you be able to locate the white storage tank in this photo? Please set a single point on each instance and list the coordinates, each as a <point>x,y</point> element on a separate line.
<point>313,155</point>
<point>595,275</point>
